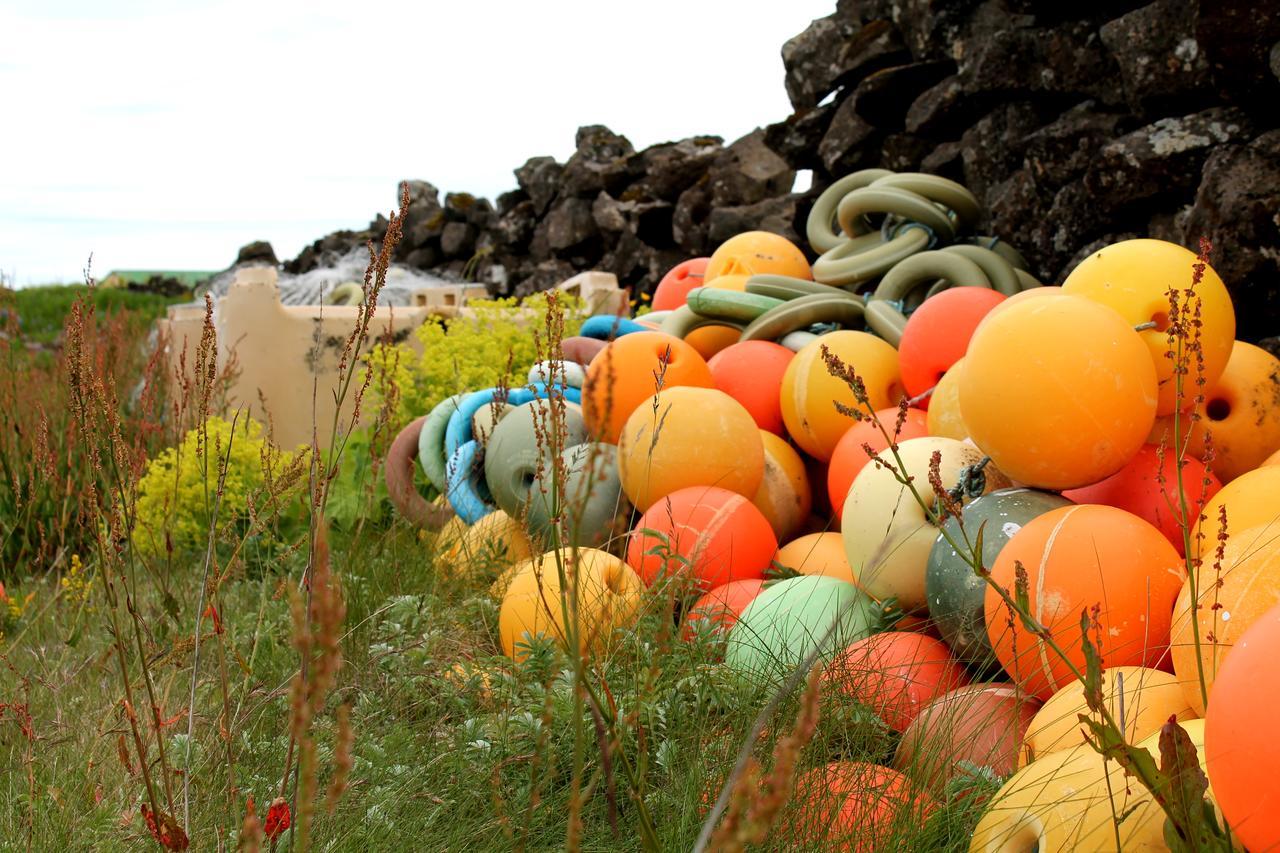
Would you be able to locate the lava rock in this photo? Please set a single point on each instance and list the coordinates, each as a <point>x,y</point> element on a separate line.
<point>1161,63</point>
<point>835,50</point>
<point>539,178</point>
<point>850,142</point>
<point>1068,60</point>
<point>458,239</point>
<point>670,168</point>
<point>903,152</point>
<point>689,220</point>
<point>992,149</point>
<point>1064,149</point>
<point>568,225</point>
<point>937,108</point>
<point>1161,158</point>
<point>601,162</point>
<point>747,171</point>
<point>1235,209</point>
<point>1238,39</point>
<point>884,97</point>
<point>777,215</point>
<point>257,252</point>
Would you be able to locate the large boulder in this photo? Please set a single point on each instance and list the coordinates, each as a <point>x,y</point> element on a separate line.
<point>1161,63</point>
<point>747,172</point>
<point>1236,210</point>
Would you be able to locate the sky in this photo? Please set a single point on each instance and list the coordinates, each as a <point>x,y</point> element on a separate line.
<point>166,134</point>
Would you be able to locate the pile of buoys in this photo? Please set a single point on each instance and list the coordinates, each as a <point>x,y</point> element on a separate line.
<point>806,459</point>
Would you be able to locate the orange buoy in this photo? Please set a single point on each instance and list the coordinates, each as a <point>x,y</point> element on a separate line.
<point>758,253</point>
<point>1077,558</point>
<point>608,597</point>
<point>816,554</point>
<point>709,535</point>
<point>709,340</point>
<point>855,806</point>
<point>978,725</point>
<point>895,674</point>
<point>937,335</point>
<point>721,607</point>
<point>1233,594</point>
<point>810,393</point>
<point>1141,697</point>
<point>1133,277</point>
<point>674,288</point>
<point>751,373</point>
<point>689,437</point>
<point>945,420</point>
<point>850,455</point>
<point>1060,392</point>
<point>1147,486</point>
<point>1250,500</point>
<point>1241,411</point>
<point>1240,744</point>
<point>629,371</point>
<point>784,495</point>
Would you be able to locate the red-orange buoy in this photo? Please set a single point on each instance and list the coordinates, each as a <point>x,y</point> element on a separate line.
<point>710,535</point>
<point>751,373</point>
<point>895,674</point>
<point>937,335</point>
<point>674,288</point>
<point>850,455</point>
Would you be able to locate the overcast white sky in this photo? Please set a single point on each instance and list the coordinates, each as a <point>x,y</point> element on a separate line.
<point>166,134</point>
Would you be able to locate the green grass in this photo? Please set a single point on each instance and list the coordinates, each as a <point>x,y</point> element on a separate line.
<point>43,310</point>
<point>429,739</point>
<point>456,746</point>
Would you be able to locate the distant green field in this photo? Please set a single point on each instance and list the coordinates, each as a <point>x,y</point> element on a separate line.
<point>42,311</point>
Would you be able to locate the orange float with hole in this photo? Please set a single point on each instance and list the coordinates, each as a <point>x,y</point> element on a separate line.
<point>784,495</point>
<point>1241,411</point>
<point>751,373</point>
<point>1240,744</point>
<point>720,608</point>
<point>674,288</point>
<point>816,554</point>
<point>855,806</point>
<point>937,335</point>
<point>1133,277</point>
<point>707,536</point>
<point>624,375</point>
<point>809,391</point>
<point>1077,558</point>
<point>689,437</point>
<point>895,674</point>
<point>850,455</point>
<point>758,253</point>
<point>1233,594</point>
<point>1059,391</point>
<point>1147,486</point>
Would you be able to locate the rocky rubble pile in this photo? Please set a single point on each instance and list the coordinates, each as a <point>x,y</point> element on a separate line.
<point>1074,128</point>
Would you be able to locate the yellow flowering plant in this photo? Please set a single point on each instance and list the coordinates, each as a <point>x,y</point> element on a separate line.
<point>470,352</point>
<point>257,489</point>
